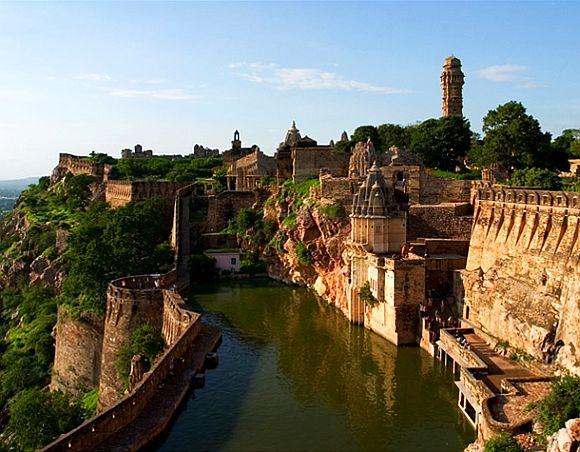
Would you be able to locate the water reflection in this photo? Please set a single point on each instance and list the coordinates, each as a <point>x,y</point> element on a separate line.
<point>295,375</point>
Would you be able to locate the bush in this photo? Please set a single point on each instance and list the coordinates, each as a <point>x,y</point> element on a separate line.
<point>37,417</point>
<point>303,254</point>
<point>89,403</point>
<point>467,175</point>
<point>536,178</point>
<point>290,221</point>
<point>335,210</point>
<point>366,295</point>
<point>252,265</point>
<point>561,404</point>
<point>202,268</point>
<point>502,443</point>
<point>145,341</point>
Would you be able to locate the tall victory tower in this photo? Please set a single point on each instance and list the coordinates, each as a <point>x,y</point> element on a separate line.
<point>452,80</point>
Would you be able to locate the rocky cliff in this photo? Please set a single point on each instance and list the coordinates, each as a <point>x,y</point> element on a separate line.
<point>310,247</point>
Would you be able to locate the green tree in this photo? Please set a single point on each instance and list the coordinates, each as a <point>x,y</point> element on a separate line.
<point>514,139</point>
<point>441,143</point>
<point>394,135</point>
<point>37,417</point>
<point>536,178</point>
<point>569,142</point>
<point>363,133</point>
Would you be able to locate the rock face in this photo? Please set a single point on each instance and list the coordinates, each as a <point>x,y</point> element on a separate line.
<point>522,281</point>
<point>566,439</point>
<point>324,238</point>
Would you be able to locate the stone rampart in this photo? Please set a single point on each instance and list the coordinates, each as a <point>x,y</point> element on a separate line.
<point>121,192</point>
<point>446,220</point>
<point>310,160</point>
<point>77,358</point>
<point>221,208</point>
<point>437,190</point>
<point>68,163</point>
<point>522,281</point>
<point>95,431</point>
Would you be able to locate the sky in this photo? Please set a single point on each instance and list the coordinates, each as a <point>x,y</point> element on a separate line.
<point>78,77</point>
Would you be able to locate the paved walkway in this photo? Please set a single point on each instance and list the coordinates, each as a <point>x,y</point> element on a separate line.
<point>159,413</point>
<point>499,367</point>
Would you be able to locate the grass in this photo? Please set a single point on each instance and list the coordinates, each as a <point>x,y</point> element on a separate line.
<point>468,175</point>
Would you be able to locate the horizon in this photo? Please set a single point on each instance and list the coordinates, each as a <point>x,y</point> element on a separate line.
<point>107,76</point>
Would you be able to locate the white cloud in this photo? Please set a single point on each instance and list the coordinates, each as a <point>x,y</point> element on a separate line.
<point>164,94</point>
<point>95,77</point>
<point>513,73</point>
<point>305,78</point>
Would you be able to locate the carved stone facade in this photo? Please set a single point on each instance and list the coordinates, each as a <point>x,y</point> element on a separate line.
<point>378,232</point>
<point>452,81</point>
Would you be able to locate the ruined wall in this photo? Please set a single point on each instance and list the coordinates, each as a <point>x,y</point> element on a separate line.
<point>436,190</point>
<point>77,359</point>
<point>448,220</point>
<point>68,163</point>
<point>121,192</point>
<point>309,161</point>
<point>224,206</point>
<point>522,281</point>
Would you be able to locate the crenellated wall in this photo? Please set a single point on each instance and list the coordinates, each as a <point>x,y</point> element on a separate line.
<point>522,280</point>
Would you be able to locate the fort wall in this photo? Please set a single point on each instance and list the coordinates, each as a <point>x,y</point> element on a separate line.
<point>68,163</point>
<point>309,161</point>
<point>436,190</point>
<point>224,206</point>
<point>446,220</point>
<point>522,281</point>
<point>77,360</point>
<point>120,192</point>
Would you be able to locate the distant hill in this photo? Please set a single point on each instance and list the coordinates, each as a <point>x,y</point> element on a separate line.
<point>10,189</point>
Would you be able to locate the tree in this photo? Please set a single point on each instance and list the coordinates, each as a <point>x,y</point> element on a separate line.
<point>37,417</point>
<point>568,142</point>
<point>536,178</point>
<point>441,143</point>
<point>147,342</point>
<point>514,139</point>
<point>394,135</point>
<point>363,133</point>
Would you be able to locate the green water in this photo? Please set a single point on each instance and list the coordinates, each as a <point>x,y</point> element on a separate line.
<point>295,375</point>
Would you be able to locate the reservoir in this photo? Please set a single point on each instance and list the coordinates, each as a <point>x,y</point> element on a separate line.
<point>294,374</point>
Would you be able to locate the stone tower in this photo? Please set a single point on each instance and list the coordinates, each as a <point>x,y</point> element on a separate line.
<point>292,136</point>
<point>452,80</point>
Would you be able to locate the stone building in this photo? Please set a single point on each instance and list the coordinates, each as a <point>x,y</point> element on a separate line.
<point>301,158</point>
<point>245,172</point>
<point>452,81</point>
<point>378,233</point>
<point>237,151</point>
<point>200,151</point>
<point>137,153</point>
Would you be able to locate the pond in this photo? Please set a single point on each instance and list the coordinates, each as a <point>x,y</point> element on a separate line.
<point>294,374</point>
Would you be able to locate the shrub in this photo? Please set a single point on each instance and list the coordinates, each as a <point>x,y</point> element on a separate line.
<point>202,268</point>
<point>291,220</point>
<point>145,341</point>
<point>467,175</point>
<point>536,178</point>
<point>561,404</point>
<point>37,417</point>
<point>502,443</point>
<point>335,210</point>
<point>303,254</point>
<point>89,403</point>
<point>252,265</point>
<point>366,295</point>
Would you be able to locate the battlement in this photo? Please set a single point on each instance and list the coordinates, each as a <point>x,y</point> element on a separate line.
<point>527,196</point>
<point>74,164</point>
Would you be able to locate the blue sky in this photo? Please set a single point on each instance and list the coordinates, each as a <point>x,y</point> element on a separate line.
<point>76,77</point>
